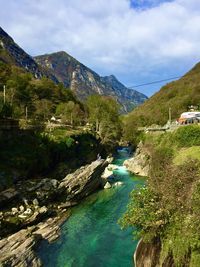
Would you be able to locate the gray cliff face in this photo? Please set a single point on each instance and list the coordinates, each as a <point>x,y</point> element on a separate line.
<point>140,162</point>
<point>84,82</point>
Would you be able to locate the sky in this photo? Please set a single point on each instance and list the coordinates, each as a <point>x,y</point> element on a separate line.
<point>138,41</point>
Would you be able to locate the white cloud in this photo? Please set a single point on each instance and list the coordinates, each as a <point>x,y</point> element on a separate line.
<point>110,36</point>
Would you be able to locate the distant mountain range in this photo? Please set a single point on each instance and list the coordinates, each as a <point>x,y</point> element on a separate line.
<point>61,67</point>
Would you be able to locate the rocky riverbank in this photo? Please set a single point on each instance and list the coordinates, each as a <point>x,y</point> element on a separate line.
<point>140,163</point>
<point>34,209</point>
<point>148,255</point>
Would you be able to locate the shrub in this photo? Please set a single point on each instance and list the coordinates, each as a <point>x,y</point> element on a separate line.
<point>187,136</point>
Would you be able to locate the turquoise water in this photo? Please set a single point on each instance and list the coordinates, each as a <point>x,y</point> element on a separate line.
<point>91,237</point>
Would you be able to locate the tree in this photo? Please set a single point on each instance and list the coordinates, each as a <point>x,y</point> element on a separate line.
<point>104,114</point>
<point>70,112</point>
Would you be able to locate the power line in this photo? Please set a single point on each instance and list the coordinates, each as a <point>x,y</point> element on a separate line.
<point>154,82</point>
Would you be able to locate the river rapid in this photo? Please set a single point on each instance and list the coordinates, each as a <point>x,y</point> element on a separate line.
<point>91,237</point>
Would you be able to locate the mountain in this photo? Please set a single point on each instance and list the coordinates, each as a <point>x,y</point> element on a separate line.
<point>177,95</point>
<point>61,67</point>
<point>12,53</point>
<point>84,81</point>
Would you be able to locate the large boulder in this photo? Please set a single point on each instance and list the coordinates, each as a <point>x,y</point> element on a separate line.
<point>140,162</point>
<point>84,181</point>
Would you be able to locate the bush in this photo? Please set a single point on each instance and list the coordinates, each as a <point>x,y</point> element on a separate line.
<point>187,136</point>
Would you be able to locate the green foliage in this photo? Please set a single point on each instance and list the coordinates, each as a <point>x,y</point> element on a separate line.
<point>130,131</point>
<point>168,207</point>
<point>70,112</point>
<point>176,95</point>
<point>69,141</point>
<point>34,98</point>
<point>104,115</point>
<point>6,110</point>
<point>21,153</point>
<point>187,136</point>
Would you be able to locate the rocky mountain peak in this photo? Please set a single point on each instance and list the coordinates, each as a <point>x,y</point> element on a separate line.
<point>84,81</point>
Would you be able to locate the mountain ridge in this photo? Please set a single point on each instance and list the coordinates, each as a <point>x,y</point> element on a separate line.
<point>62,67</point>
<point>83,81</point>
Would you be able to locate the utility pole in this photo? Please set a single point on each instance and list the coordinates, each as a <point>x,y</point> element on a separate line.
<point>170,116</point>
<point>4,94</point>
<point>26,112</point>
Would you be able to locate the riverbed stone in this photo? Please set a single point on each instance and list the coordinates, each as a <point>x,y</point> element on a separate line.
<point>118,183</point>
<point>27,211</point>
<point>107,173</point>
<point>43,209</point>
<point>14,211</point>
<point>35,202</point>
<point>107,185</point>
<point>21,208</point>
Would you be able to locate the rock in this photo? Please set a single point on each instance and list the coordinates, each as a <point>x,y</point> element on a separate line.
<point>22,216</point>
<point>67,204</point>
<point>43,209</point>
<point>21,208</point>
<point>49,230</point>
<point>148,255</point>
<point>118,184</point>
<point>14,211</point>
<point>83,182</point>
<point>106,174</point>
<point>18,250</point>
<point>140,163</point>
<point>107,185</point>
<point>28,211</point>
<point>35,202</point>
<point>112,167</point>
<point>109,159</point>
<point>25,201</point>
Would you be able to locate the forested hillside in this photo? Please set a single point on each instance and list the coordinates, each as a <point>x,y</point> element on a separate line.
<point>177,95</point>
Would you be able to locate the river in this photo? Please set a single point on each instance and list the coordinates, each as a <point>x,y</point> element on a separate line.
<point>91,237</point>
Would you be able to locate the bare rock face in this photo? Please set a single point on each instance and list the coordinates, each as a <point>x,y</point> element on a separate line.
<point>140,163</point>
<point>18,250</point>
<point>148,255</point>
<point>84,181</point>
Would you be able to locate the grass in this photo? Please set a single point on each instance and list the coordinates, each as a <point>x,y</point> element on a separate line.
<point>186,153</point>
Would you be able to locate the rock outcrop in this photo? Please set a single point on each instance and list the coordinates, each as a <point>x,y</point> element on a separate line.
<point>140,162</point>
<point>40,210</point>
<point>18,250</point>
<point>83,182</point>
<point>148,255</point>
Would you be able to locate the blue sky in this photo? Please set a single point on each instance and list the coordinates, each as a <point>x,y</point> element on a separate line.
<point>138,41</point>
